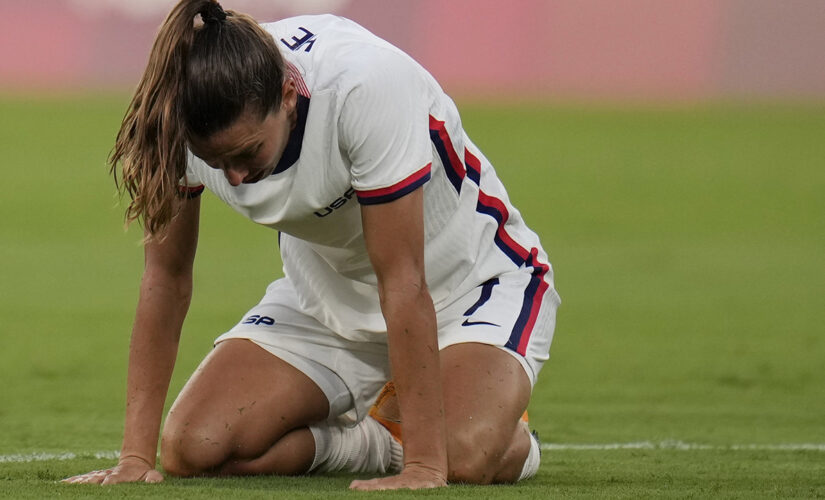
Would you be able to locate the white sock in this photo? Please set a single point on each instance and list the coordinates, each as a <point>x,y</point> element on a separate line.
<point>367,447</point>
<point>531,465</point>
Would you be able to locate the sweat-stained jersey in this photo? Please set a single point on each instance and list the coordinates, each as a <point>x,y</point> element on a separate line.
<point>373,126</point>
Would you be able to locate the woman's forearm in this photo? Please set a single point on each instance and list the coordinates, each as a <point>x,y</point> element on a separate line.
<point>413,347</point>
<point>161,310</point>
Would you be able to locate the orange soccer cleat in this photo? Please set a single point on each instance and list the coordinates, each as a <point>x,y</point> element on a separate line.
<point>386,412</point>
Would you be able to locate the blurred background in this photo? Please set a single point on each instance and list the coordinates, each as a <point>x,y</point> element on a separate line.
<point>583,49</point>
<point>669,153</point>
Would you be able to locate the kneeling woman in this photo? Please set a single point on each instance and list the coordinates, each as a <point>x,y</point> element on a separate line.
<point>403,259</point>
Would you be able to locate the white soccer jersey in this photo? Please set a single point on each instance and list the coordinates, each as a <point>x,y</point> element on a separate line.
<point>373,126</point>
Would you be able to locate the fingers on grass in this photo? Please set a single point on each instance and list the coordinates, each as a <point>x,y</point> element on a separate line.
<point>393,483</point>
<point>94,477</point>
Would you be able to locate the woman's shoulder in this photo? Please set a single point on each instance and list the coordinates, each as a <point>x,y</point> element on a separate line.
<point>332,51</point>
<point>313,34</point>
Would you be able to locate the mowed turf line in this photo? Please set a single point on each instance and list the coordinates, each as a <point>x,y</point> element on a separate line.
<point>688,252</point>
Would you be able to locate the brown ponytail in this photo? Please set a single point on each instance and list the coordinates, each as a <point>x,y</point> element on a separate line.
<point>198,80</point>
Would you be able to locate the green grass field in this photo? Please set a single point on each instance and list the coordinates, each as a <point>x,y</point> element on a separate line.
<point>689,249</point>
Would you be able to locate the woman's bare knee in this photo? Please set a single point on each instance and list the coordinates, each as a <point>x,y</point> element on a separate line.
<point>479,456</point>
<point>189,448</point>
<point>472,456</point>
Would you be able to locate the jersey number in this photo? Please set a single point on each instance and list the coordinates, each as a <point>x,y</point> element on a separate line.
<point>306,38</point>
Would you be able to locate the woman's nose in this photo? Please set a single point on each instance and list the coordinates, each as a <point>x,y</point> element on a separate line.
<point>235,175</point>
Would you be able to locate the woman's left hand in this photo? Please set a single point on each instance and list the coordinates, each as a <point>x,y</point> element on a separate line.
<point>413,477</point>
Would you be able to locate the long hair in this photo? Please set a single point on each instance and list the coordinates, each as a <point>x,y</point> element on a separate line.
<point>199,79</point>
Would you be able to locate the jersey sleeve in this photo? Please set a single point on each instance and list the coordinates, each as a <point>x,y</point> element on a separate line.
<point>190,186</point>
<point>384,129</point>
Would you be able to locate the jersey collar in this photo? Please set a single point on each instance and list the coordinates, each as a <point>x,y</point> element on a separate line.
<point>296,138</point>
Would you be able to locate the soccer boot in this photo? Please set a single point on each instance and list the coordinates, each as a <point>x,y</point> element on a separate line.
<point>386,412</point>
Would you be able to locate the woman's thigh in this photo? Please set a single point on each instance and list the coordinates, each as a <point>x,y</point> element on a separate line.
<point>237,404</point>
<point>485,388</point>
<point>486,391</point>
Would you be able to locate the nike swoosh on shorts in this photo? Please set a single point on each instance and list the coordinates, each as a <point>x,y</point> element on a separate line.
<point>467,322</point>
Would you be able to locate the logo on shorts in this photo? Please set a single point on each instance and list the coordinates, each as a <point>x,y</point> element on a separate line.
<point>467,322</point>
<point>256,319</point>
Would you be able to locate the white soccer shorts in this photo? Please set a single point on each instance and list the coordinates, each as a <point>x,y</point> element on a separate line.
<point>507,312</point>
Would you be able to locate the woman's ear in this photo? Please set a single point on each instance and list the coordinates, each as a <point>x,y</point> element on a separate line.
<point>289,95</point>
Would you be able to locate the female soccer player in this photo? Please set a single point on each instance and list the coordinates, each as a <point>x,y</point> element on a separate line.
<point>403,260</point>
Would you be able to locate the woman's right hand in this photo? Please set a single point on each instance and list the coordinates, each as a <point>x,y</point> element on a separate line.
<point>129,469</point>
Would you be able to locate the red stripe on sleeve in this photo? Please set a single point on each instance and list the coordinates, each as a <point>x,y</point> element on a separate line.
<point>398,186</point>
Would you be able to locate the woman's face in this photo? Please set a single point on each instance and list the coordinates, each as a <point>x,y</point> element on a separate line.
<point>249,149</point>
